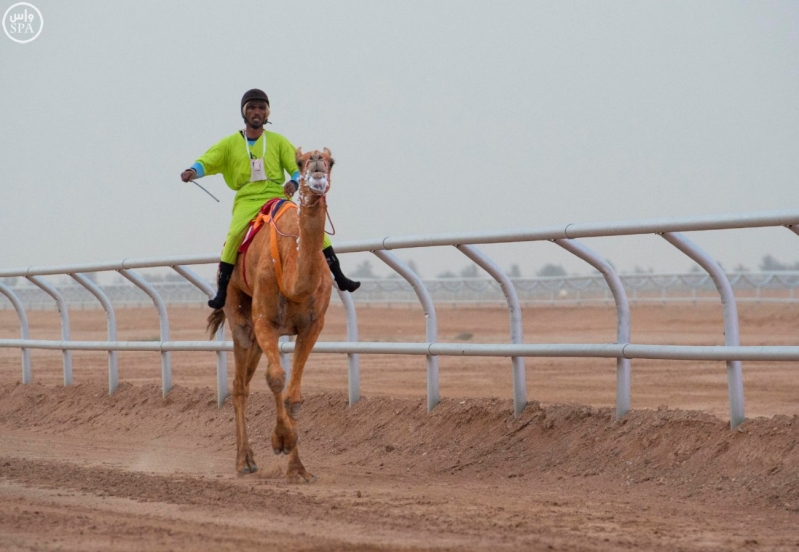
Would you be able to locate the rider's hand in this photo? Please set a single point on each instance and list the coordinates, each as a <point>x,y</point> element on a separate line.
<point>290,188</point>
<point>188,174</point>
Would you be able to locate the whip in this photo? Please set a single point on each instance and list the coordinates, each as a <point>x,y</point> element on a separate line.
<point>203,189</point>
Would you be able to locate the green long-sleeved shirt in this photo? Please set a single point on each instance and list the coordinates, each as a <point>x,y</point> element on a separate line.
<point>229,157</point>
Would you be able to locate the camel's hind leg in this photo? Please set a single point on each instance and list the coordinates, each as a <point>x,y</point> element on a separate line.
<point>247,354</point>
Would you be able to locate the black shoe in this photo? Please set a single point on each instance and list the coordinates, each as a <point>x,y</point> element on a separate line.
<point>343,283</point>
<point>222,280</point>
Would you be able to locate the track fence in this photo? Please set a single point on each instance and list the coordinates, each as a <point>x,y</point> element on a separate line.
<point>514,292</point>
<point>641,288</point>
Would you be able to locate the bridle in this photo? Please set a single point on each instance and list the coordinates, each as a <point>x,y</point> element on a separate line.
<point>317,186</point>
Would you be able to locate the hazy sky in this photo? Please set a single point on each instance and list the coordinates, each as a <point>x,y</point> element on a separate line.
<point>442,117</point>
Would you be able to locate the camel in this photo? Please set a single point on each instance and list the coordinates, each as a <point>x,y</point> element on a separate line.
<point>260,309</point>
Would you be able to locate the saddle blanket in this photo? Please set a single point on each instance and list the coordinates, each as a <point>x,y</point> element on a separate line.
<point>272,209</point>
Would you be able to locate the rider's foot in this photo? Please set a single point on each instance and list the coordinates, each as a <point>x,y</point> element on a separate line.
<point>222,279</point>
<point>343,283</point>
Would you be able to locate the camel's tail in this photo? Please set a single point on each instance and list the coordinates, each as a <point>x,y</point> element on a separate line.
<point>215,319</point>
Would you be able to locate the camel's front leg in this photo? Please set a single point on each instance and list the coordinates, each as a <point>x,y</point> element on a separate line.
<point>302,350</point>
<point>306,339</point>
<point>284,438</point>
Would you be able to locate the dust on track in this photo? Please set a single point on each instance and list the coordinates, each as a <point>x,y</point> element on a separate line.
<point>80,470</point>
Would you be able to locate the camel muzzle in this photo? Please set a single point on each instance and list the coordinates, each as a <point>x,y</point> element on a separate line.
<point>318,184</point>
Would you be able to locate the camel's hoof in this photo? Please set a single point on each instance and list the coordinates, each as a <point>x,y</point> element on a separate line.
<point>283,443</point>
<point>246,464</point>
<point>249,469</point>
<point>301,477</point>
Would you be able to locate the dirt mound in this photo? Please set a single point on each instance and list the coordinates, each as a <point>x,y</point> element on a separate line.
<point>83,471</point>
<point>688,453</point>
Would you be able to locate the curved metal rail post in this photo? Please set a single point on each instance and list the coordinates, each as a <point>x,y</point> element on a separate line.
<point>62,310</point>
<point>353,359</point>
<point>111,322</point>
<point>622,317</point>
<point>163,319</point>
<point>431,321</point>
<point>222,391</point>
<point>516,335</point>
<point>731,335</point>
<point>27,376</point>
<point>795,229</point>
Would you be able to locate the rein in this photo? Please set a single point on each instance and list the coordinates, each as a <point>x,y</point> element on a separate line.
<point>273,222</point>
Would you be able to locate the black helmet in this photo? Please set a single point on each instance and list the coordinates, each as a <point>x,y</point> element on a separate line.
<point>254,94</point>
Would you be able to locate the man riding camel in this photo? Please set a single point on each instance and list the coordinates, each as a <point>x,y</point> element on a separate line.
<point>253,162</point>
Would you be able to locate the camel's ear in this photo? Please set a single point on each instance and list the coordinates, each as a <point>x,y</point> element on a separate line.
<point>329,156</point>
<point>301,159</point>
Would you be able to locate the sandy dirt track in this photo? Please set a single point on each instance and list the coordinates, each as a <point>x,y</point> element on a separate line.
<point>83,471</point>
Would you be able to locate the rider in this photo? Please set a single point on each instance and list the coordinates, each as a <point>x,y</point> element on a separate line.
<point>253,162</point>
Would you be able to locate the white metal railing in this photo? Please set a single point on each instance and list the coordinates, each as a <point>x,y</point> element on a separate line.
<point>564,236</point>
<point>761,287</point>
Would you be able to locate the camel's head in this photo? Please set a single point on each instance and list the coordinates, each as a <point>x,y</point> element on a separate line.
<point>315,167</point>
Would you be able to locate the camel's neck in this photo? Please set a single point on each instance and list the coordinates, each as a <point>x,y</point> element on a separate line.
<point>313,210</point>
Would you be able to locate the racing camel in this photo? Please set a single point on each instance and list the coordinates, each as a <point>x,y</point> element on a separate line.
<point>281,286</point>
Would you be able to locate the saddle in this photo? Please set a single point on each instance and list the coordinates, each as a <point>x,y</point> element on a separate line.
<point>271,210</point>
<point>268,215</point>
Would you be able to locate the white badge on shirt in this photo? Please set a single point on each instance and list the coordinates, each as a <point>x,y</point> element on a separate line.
<point>257,171</point>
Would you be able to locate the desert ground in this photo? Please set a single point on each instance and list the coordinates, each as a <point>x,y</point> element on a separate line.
<point>82,470</point>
